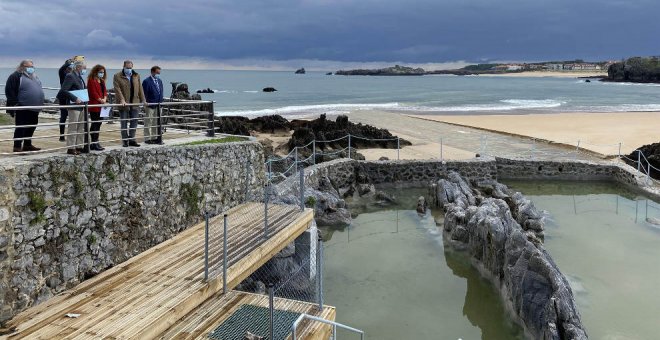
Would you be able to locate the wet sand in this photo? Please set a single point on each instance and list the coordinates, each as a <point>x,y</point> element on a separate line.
<point>599,132</point>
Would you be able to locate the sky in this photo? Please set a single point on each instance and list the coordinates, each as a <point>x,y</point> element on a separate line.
<point>326,34</point>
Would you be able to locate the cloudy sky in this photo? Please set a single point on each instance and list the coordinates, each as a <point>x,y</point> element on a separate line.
<point>327,33</point>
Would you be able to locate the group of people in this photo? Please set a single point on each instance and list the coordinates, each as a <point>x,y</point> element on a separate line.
<point>24,89</point>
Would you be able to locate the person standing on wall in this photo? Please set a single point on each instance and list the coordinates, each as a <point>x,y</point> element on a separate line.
<point>128,90</point>
<point>63,71</point>
<point>153,91</point>
<point>77,125</point>
<point>23,88</point>
<point>98,94</point>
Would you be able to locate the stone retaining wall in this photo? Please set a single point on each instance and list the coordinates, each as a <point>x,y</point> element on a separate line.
<point>64,219</point>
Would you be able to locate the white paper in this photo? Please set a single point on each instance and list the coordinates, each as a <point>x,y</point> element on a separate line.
<point>72,315</point>
<point>81,94</point>
<point>105,111</point>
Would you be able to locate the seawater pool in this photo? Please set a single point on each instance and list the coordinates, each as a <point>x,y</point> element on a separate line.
<point>389,275</point>
<point>606,240</point>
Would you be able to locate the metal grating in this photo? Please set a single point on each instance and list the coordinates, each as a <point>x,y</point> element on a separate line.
<point>254,319</point>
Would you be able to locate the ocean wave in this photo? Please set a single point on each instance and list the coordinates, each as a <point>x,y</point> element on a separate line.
<point>619,108</point>
<point>502,105</point>
<point>310,109</point>
<point>631,84</point>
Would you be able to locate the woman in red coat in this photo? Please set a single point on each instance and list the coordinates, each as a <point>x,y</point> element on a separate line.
<point>98,94</point>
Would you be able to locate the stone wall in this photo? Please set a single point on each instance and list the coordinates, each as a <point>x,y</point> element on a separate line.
<point>423,171</point>
<point>64,219</point>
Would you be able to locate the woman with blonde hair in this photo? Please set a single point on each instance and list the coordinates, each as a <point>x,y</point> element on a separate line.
<point>98,94</point>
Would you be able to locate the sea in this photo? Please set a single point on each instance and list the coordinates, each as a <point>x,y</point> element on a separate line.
<point>313,93</point>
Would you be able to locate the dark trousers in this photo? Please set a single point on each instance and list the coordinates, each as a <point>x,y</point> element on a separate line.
<point>95,126</point>
<point>24,117</point>
<point>63,114</point>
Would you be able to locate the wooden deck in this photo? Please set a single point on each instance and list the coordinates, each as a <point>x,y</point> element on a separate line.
<point>155,291</point>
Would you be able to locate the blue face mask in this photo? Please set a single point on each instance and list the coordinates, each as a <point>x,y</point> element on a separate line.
<point>101,74</point>
<point>157,76</point>
<point>83,72</point>
<point>128,71</point>
<point>29,70</point>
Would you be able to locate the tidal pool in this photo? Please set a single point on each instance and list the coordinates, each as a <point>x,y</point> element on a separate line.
<point>606,240</point>
<point>389,275</point>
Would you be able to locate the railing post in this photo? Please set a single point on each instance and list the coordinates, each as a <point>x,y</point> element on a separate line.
<point>441,156</point>
<point>314,152</point>
<point>349,145</point>
<point>159,115</point>
<point>302,188</point>
<point>211,131</point>
<point>266,211</point>
<point>639,159</point>
<point>271,311</point>
<point>648,171</point>
<point>577,149</point>
<point>270,170</point>
<point>398,147</point>
<point>224,256</point>
<point>206,247</point>
<point>88,134</point>
<point>295,153</point>
<point>619,149</point>
<point>319,272</point>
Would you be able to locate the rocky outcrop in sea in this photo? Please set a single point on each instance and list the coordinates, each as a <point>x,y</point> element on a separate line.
<point>388,71</point>
<point>502,232</point>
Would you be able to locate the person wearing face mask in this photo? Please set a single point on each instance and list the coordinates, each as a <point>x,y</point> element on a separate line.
<point>98,94</point>
<point>23,88</point>
<point>76,140</point>
<point>128,90</point>
<point>62,72</point>
<point>153,91</point>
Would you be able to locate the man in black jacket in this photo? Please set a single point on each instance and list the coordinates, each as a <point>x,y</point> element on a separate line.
<point>23,88</point>
<point>63,71</point>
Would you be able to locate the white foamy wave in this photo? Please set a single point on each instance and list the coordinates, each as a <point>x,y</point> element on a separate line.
<point>502,105</point>
<point>308,110</point>
<point>620,108</point>
<point>632,84</point>
<point>250,91</point>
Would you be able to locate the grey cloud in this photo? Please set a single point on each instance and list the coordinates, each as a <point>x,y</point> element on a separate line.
<point>348,31</point>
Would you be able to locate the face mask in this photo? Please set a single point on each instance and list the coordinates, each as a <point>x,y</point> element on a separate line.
<point>157,76</point>
<point>128,71</point>
<point>101,74</point>
<point>83,72</point>
<point>29,70</point>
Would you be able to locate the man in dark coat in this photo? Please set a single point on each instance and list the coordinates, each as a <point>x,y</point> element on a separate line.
<point>23,88</point>
<point>153,93</point>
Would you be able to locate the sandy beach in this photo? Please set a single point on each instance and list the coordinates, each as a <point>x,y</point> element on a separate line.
<point>550,74</point>
<point>599,132</point>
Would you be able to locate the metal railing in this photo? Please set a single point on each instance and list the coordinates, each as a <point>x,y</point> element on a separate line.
<point>334,325</point>
<point>174,114</point>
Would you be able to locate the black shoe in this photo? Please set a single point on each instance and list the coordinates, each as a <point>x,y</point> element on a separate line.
<point>159,141</point>
<point>124,144</point>
<point>85,150</point>
<point>149,142</point>
<point>28,148</point>
<point>133,143</point>
<point>99,147</point>
<point>18,149</point>
<point>62,139</point>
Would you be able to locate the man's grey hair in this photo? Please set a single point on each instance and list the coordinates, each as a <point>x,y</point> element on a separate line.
<point>126,62</point>
<point>79,63</point>
<point>21,67</point>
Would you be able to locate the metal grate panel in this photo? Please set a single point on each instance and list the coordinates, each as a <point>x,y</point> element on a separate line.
<point>254,319</point>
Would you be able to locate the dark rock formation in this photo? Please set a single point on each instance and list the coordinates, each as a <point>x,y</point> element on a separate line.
<point>389,71</point>
<point>328,74</point>
<point>652,154</point>
<point>636,69</point>
<point>300,71</point>
<point>511,254</point>
<point>421,205</point>
<point>322,129</point>
<point>206,90</point>
<point>269,89</point>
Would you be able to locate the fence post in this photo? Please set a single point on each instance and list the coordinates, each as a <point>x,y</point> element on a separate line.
<point>398,147</point>
<point>639,159</point>
<point>314,152</point>
<point>159,116</point>
<point>271,310</point>
<point>88,135</point>
<point>577,149</point>
<point>302,188</point>
<point>619,149</point>
<point>211,131</point>
<point>270,170</point>
<point>349,145</point>
<point>266,211</point>
<point>206,246</point>
<point>224,256</point>
<point>319,272</point>
<point>648,171</point>
<point>295,151</point>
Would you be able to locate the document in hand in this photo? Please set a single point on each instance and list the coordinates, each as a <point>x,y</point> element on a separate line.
<point>105,111</point>
<point>81,94</point>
